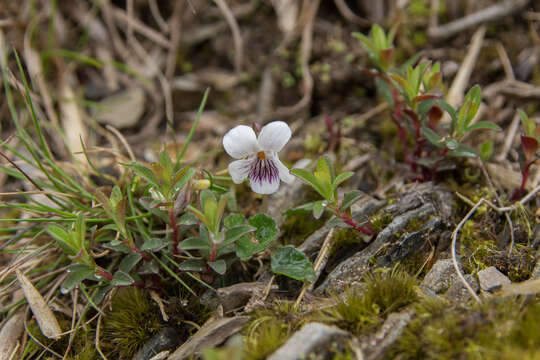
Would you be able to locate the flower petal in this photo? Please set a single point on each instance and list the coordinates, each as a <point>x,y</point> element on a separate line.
<point>274,136</point>
<point>240,142</point>
<point>284,173</point>
<point>264,187</point>
<point>239,170</point>
<point>264,176</point>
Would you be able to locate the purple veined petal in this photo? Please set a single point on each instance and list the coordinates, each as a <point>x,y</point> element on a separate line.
<point>284,173</point>
<point>240,142</point>
<point>264,176</point>
<point>274,136</point>
<point>239,169</point>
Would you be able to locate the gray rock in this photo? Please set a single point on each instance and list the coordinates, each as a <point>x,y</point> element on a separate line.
<point>492,279</point>
<point>211,334</point>
<point>361,210</point>
<point>377,345</point>
<point>164,340</point>
<point>312,341</point>
<point>441,276</point>
<point>458,292</point>
<point>412,242</point>
<point>357,265</point>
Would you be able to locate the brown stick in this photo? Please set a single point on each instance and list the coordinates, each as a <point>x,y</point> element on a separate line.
<point>491,13</point>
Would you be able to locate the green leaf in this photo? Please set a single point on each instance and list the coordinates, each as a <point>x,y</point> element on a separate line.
<point>193,265</point>
<point>463,151</point>
<point>302,209</point>
<point>379,37</point>
<point>165,161</point>
<point>233,220</point>
<point>122,279</point>
<point>235,233</point>
<point>117,245</point>
<point>76,274</point>
<point>433,137</point>
<point>64,239</point>
<point>264,236</point>
<point>483,125</point>
<point>324,166</point>
<point>486,150</point>
<point>350,198</point>
<point>289,261</point>
<point>145,173</point>
<point>129,262</point>
<point>341,178</point>
<point>311,180</point>
<point>318,209</point>
<point>154,244</point>
<point>193,243</point>
<point>188,219</point>
<point>219,266</point>
<point>369,46</point>
<point>182,177</point>
<point>451,111</point>
<point>451,144</point>
<point>528,124</point>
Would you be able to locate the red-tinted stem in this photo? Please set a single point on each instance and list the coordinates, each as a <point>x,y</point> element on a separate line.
<point>347,219</point>
<point>213,253</point>
<point>524,177</point>
<point>104,273</point>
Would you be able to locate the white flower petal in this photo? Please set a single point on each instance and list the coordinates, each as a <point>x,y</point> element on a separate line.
<point>274,136</point>
<point>264,187</point>
<point>264,175</point>
<point>239,170</point>
<point>284,173</point>
<point>240,142</point>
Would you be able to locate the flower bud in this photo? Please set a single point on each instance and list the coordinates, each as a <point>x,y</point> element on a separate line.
<point>201,184</point>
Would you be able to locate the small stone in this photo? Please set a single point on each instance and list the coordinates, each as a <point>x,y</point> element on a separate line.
<point>166,339</point>
<point>441,275</point>
<point>310,342</point>
<point>459,292</point>
<point>211,334</point>
<point>492,279</point>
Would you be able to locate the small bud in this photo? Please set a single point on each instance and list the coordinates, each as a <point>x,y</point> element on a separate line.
<point>201,184</point>
<point>256,127</point>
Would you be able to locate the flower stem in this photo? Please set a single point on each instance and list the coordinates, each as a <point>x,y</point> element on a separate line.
<point>367,228</point>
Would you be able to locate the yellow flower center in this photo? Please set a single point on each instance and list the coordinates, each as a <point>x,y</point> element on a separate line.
<point>261,155</point>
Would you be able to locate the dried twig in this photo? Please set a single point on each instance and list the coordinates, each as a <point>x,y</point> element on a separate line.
<point>453,250</point>
<point>319,264</point>
<point>349,15</point>
<point>309,11</point>
<point>237,37</point>
<point>491,13</point>
<point>509,139</point>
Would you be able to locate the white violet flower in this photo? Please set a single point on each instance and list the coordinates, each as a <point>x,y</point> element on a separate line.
<point>258,156</point>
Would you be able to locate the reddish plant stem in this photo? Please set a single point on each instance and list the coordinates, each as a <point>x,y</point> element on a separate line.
<point>214,252</point>
<point>524,177</point>
<point>107,275</point>
<point>347,219</point>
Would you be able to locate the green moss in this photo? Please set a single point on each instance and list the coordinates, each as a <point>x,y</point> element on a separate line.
<point>297,228</point>
<point>493,330</point>
<point>264,336</point>
<point>130,322</point>
<point>380,220</point>
<point>383,292</point>
<point>344,238</point>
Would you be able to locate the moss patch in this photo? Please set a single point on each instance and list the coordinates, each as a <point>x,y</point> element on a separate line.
<point>498,329</point>
<point>130,322</point>
<point>360,310</point>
